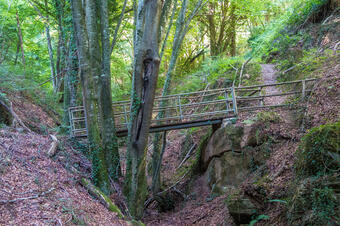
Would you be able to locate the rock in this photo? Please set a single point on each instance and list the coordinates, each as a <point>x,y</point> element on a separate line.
<point>227,171</point>
<point>230,156</point>
<point>223,140</point>
<point>241,209</point>
<point>251,136</point>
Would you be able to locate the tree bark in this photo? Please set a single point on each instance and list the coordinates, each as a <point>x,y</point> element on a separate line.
<point>89,83</point>
<point>21,42</point>
<point>109,138</point>
<point>50,50</point>
<point>146,68</point>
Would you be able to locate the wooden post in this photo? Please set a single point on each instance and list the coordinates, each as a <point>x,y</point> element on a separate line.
<point>226,99</point>
<point>234,100</point>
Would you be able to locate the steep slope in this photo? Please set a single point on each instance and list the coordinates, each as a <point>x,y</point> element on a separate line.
<point>34,189</point>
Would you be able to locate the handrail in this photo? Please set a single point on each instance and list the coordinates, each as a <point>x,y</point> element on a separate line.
<point>208,105</point>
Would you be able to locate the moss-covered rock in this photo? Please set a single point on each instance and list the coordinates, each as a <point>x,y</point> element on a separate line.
<point>231,155</point>
<point>318,153</point>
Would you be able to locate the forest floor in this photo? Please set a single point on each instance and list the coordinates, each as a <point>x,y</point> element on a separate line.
<point>38,190</point>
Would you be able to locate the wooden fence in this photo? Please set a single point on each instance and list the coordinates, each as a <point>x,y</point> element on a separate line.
<point>200,108</point>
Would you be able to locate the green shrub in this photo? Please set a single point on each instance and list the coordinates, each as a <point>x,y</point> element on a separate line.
<point>268,117</point>
<point>318,153</point>
<point>313,203</point>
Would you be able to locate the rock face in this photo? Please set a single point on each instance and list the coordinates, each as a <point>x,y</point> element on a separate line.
<point>229,156</point>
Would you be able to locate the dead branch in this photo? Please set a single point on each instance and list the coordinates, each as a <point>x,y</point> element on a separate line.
<point>2,202</point>
<point>242,69</point>
<point>106,201</point>
<point>150,200</point>
<point>14,115</point>
<point>187,156</point>
<point>336,48</point>
<point>289,69</point>
<point>54,146</point>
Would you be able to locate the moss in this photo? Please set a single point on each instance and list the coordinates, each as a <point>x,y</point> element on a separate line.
<point>268,117</point>
<point>103,198</point>
<point>235,134</point>
<point>313,203</point>
<point>198,166</point>
<point>318,153</point>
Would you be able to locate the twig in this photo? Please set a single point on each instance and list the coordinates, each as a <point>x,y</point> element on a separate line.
<point>289,69</point>
<point>242,68</point>
<point>54,146</point>
<point>336,48</point>
<point>150,200</point>
<point>187,156</point>
<point>59,221</point>
<point>15,116</point>
<point>185,197</point>
<point>2,202</point>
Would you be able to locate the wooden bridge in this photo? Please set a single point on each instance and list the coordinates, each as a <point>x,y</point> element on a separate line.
<point>202,108</point>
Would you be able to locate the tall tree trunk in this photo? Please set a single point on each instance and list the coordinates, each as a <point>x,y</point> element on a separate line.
<point>61,52</point>
<point>90,92</point>
<point>233,30</point>
<point>50,50</point>
<point>17,52</point>
<point>109,138</point>
<point>70,79</point>
<point>146,68</point>
<point>21,42</point>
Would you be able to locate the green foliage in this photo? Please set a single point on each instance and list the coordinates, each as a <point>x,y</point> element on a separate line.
<point>258,218</point>
<point>318,153</point>
<point>276,37</point>
<point>268,117</point>
<point>313,203</point>
<point>278,200</point>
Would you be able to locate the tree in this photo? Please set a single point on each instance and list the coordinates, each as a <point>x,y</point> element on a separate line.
<point>146,67</point>
<point>94,57</point>
<point>182,27</point>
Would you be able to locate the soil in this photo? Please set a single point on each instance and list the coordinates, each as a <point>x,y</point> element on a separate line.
<point>269,75</point>
<point>37,190</point>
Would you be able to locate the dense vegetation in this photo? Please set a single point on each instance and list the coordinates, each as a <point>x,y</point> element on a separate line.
<point>67,53</point>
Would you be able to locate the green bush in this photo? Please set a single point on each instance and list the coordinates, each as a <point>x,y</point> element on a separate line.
<point>274,38</point>
<point>318,153</point>
<point>313,203</point>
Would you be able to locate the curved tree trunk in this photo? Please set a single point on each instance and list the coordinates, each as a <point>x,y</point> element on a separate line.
<point>146,67</point>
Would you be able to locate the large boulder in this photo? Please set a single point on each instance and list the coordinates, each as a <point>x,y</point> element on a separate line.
<point>230,155</point>
<point>227,171</point>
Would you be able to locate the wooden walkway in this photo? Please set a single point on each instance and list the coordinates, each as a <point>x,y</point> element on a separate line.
<point>202,108</point>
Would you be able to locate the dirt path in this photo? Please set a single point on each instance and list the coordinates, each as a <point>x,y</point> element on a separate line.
<point>269,75</point>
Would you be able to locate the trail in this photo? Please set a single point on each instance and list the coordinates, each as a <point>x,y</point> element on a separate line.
<point>269,75</point>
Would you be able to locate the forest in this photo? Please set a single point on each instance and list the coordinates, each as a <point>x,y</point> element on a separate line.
<point>169,112</point>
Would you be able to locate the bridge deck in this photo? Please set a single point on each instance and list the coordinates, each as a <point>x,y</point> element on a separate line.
<point>195,109</point>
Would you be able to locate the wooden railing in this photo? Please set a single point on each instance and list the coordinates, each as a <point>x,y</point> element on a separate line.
<point>196,108</point>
